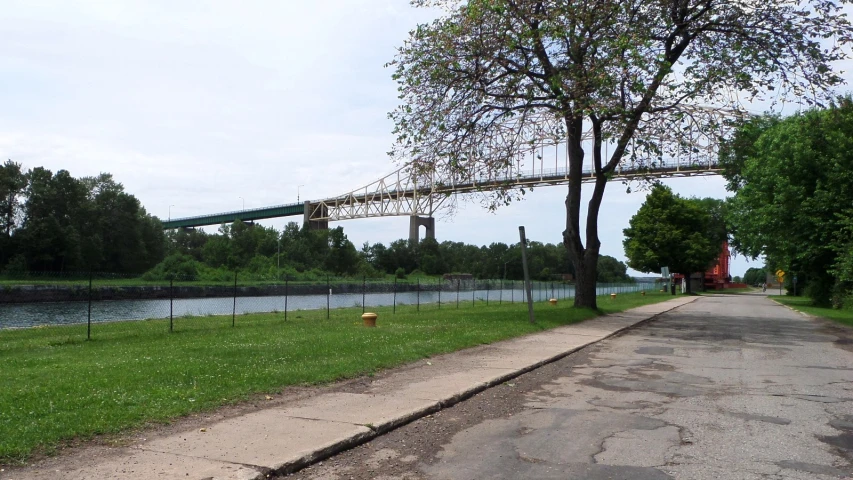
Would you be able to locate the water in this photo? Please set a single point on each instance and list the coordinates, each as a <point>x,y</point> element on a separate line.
<point>64,313</point>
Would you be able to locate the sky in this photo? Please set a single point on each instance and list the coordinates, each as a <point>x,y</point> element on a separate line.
<point>207,106</point>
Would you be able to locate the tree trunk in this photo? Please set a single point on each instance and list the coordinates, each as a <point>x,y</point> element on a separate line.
<point>585,282</point>
<point>584,258</point>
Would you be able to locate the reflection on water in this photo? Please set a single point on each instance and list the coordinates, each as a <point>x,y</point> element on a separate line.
<point>59,313</point>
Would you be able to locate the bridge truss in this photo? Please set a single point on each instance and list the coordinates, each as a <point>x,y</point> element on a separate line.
<point>687,148</point>
<point>681,148</point>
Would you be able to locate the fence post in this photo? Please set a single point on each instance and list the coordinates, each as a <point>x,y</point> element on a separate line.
<point>474,293</point>
<point>234,310</point>
<point>439,292</point>
<point>286,291</point>
<point>363,292</point>
<point>171,301</point>
<point>488,286</point>
<point>458,283</point>
<point>512,292</point>
<point>328,297</point>
<point>501,296</point>
<point>394,311</point>
<point>89,320</point>
<point>419,296</point>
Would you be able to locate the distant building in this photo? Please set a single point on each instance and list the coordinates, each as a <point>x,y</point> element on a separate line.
<point>718,276</point>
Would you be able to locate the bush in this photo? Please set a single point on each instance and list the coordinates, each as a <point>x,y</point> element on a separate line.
<point>820,290</point>
<point>842,296</point>
<point>18,264</point>
<point>175,266</point>
<point>400,273</point>
<point>366,270</point>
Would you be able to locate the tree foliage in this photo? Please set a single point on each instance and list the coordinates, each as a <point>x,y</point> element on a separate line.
<point>793,196</point>
<point>55,222</point>
<point>611,270</point>
<point>755,276</point>
<point>490,80</point>
<point>671,231</point>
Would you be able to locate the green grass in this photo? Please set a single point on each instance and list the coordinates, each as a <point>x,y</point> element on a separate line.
<point>57,387</point>
<point>804,304</point>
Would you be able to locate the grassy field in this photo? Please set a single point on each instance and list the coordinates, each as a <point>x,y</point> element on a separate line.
<point>804,305</point>
<point>56,387</point>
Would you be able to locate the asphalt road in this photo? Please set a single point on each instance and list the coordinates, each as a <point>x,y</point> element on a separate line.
<point>726,387</point>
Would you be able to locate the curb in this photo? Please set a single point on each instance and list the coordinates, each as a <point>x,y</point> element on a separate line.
<point>309,459</point>
<point>807,315</point>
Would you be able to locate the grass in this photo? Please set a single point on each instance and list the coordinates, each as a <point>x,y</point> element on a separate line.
<point>804,304</point>
<point>57,387</point>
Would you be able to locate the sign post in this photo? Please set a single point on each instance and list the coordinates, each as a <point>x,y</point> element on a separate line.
<point>780,277</point>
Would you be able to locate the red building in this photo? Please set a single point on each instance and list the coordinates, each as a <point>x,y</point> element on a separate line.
<point>718,276</point>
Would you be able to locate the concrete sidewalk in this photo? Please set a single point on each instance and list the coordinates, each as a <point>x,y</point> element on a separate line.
<point>287,437</point>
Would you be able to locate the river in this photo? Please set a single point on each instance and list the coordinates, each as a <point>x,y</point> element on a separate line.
<point>64,313</point>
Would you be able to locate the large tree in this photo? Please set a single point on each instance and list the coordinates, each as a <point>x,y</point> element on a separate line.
<point>793,196</point>
<point>675,232</point>
<point>490,80</point>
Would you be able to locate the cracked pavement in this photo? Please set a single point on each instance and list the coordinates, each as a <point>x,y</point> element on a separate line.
<point>728,386</point>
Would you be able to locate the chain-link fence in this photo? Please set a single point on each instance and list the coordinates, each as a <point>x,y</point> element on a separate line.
<point>31,300</point>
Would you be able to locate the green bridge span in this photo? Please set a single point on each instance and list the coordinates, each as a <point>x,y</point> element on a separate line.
<point>242,215</point>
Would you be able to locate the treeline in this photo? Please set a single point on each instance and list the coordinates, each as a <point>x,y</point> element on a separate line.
<point>755,276</point>
<point>793,201</point>
<point>57,223</point>
<point>312,254</point>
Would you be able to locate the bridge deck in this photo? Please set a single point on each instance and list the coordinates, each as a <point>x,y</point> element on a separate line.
<point>243,215</point>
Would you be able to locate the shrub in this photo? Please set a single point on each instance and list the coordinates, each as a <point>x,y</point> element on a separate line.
<point>175,266</point>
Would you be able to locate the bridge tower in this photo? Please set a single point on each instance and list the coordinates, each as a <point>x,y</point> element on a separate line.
<point>316,224</point>
<point>415,223</point>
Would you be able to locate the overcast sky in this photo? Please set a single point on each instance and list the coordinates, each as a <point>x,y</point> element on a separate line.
<point>210,106</point>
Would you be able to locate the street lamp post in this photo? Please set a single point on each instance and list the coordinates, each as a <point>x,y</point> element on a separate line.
<point>244,202</point>
<point>297,192</point>
<point>170,213</point>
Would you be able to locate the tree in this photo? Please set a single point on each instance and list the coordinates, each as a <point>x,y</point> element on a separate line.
<point>670,231</point>
<point>755,276</point>
<point>342,257</point>
<point>56,212</point>
<point>429,257</point>
<point>611,270</point>
<point>13,181</point>
<point>793,196</point>
<point>491,80</point>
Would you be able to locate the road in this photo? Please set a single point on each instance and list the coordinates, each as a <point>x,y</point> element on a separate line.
<point>726,387</point>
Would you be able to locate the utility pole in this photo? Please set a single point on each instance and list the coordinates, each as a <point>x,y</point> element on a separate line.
<point>526,273</point>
